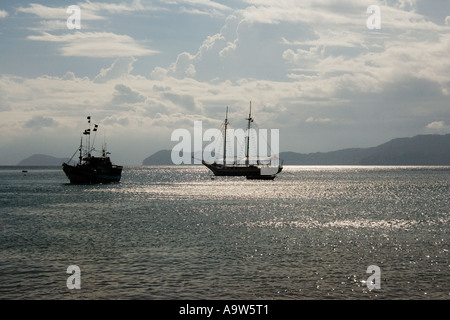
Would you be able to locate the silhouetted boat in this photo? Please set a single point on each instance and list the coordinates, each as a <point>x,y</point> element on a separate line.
<point>260,168</point>
<point>90,169</point>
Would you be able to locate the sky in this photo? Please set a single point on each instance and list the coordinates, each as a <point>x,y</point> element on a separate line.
<point>318,71</point>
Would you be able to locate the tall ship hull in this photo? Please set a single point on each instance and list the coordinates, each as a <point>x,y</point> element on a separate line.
<point>90,169</point>
<point>246,169</point>
<point>251,172</point>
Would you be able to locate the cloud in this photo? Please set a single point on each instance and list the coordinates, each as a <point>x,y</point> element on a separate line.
<point>96,44</point>
<point>184,101</point>
<point>55,13</point>
<point>114,119</point>
<point>120,67</point>
<point>317,120</point>
<point>69,76</point>
<point>50,25</point>
<point>3,14</point>
<point>317,12</point>
<point>183,67</point>
<point>254,43</point>
<point>202,7</point>
<point>240,50</point>
<point>115,8</point>
<point>438,126</point>
<point>55,18</point>
<point>89,10</point>
<point>39,122</point>
<point>126,95</point>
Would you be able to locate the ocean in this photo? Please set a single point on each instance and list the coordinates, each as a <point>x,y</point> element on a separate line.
<point>175,233</point>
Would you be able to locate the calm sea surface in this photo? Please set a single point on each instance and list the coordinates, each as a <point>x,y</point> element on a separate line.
<point>175,233</point>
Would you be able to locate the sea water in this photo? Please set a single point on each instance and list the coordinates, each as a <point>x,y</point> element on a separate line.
<point>178,233</point>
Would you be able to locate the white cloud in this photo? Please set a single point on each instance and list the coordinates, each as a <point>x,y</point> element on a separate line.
<point>438,125</point>
<point>89,10</point>
<point>114,8</point>
<point>3,14</point>
<point>204,4</point>
<point>50,25</point>
<point>183,67</point>
<point>116,120</point>
<point>317,120</point>
<point>96,44</point>
<point>337,51</point>
<point>56,13</point>
<point>184,101</point>
<point>320,12</point>
<point>404,4</point>
<point>54,18</point>
<point>126,95</point>
<point>120,67</point>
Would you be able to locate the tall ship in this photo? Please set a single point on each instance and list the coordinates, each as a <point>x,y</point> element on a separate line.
<point>250,167</point>
<point>91,169</point>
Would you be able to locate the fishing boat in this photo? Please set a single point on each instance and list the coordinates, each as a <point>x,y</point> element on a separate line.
<point>253,168</point>
<point>91,169</point>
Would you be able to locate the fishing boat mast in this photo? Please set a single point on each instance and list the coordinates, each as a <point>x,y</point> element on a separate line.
<point>89,137</point>
<point>81,151</point>
<point>87,133</point>
<point>250,120</point>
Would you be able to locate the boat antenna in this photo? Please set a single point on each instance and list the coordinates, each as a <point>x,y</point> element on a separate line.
<point>250,120</point>
<point>80,148</point>
<point>104,150</point>
<point>225,139</point>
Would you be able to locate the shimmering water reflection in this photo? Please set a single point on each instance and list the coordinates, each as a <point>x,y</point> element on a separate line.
<point>176,233</point>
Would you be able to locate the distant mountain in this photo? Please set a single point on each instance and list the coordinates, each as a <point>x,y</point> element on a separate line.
<point>418,150</point>
<point>42,160</point>
<point>160,158</point>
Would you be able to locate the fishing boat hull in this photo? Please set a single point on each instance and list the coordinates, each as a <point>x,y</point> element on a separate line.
<point>82,174</point>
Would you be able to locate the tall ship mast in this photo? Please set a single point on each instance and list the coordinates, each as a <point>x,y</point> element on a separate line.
<point>91,169</point>
<point>259,171</point>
